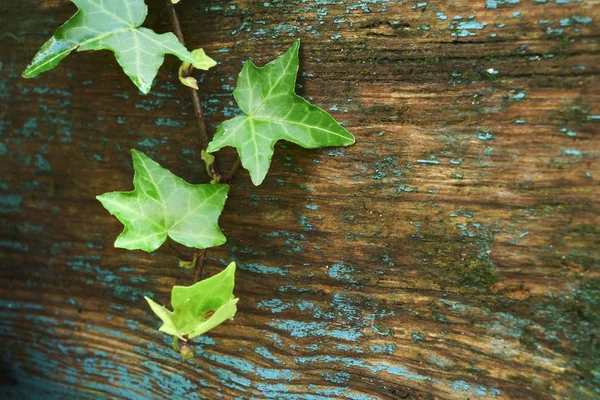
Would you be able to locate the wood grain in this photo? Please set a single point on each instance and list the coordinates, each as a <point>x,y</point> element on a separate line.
<point>451,253</point>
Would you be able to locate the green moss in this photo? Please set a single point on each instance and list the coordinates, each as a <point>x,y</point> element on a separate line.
<point>474,274</point>
<point>380,108</point>
<point>521,379</point>
<point>462,263</point>
<point>574,319</point>
<point>476,371</point>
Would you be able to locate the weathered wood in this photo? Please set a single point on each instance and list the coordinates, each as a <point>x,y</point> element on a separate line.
<point>451,253</point>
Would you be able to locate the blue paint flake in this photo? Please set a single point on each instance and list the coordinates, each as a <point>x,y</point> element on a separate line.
<point>571,152</point>
<point>276,305</point>
<point>263,351</point>
<point>261,269</point>
<point>517,95</point>
<point>568,132</point>
<point>13,245</point>
<point>41,163</point>
<point>461,385</point>
<point>170,122</point>
<point>10,203</point>
<point>466,28</point>
<point>341,272</point>
<point>493,4</point>
<point>485,136</point>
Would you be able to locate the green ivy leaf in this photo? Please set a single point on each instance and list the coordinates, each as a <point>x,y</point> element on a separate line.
<point>161,205</point>
<point>113,25</point>
<point>202,62</point>
<point>200,307</point>
<point>274,112</point>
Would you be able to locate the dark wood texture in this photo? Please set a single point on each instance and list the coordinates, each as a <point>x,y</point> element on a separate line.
<point>452,253</point>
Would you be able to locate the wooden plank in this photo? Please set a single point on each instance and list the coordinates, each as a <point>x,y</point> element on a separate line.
<point>451,253</point>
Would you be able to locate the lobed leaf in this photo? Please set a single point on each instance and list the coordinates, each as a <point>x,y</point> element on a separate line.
<point>114,25</point>
<point>200,307</point>
<point>273,111</point>
<point>161,205</point>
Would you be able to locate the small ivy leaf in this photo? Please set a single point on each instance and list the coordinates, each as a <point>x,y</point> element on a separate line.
<point>202,61</point>
<point>209,160</point>
<point>200,307</point>
<point>188,81</point>
<point>188,264</point>
<point>274,112</point>
<point>112,25</point>
<point>161,205</point>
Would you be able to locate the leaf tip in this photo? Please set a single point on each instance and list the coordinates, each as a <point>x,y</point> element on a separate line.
<point>202,60</point>
<point>138,154</point>
<point>151,302</point>
<point>258,177</point>
<point>350,141</point>
<point>232,265</point>
<point>295,48</point>
<point>100,198</point>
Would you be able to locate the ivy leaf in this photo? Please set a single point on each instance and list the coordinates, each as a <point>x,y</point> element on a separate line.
<point>161,205</point>
<point>113,25</point>
<point>200,307</point>
<point>202,61</point>
<point>273,111</point>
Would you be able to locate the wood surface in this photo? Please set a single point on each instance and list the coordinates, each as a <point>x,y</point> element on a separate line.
<point>451,253</point>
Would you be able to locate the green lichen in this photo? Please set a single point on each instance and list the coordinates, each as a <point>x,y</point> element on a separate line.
<point>572,320</point>
<point>462,263</point>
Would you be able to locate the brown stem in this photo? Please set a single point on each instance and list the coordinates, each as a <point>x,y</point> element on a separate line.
<point>204,139</point>
<point>231,174</point>
<point>193,92</point>
<point>177,252</point>
<point>200,265</point>
<point>199,118</point>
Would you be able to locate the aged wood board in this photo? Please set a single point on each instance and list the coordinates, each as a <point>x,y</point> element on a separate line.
<point>451,253</point>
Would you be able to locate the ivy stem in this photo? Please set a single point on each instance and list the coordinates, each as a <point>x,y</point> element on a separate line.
<point>204,137</point>
<point>229,175</point>
<point>177,252</point>
<point>193,92</point>
<point>200,257</point>
<point>201,124</point>
<point>199,265</point>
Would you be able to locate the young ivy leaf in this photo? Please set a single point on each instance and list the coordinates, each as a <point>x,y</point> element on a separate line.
<point>161,205</point>
<point>113,25</point>
<point>202,61</point>
<point>200,307</point>
<point>273,111</point>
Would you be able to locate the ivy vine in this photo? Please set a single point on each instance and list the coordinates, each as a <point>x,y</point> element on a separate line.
<point>162,205</point>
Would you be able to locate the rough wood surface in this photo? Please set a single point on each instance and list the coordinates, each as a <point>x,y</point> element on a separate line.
<point>453,252</point>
